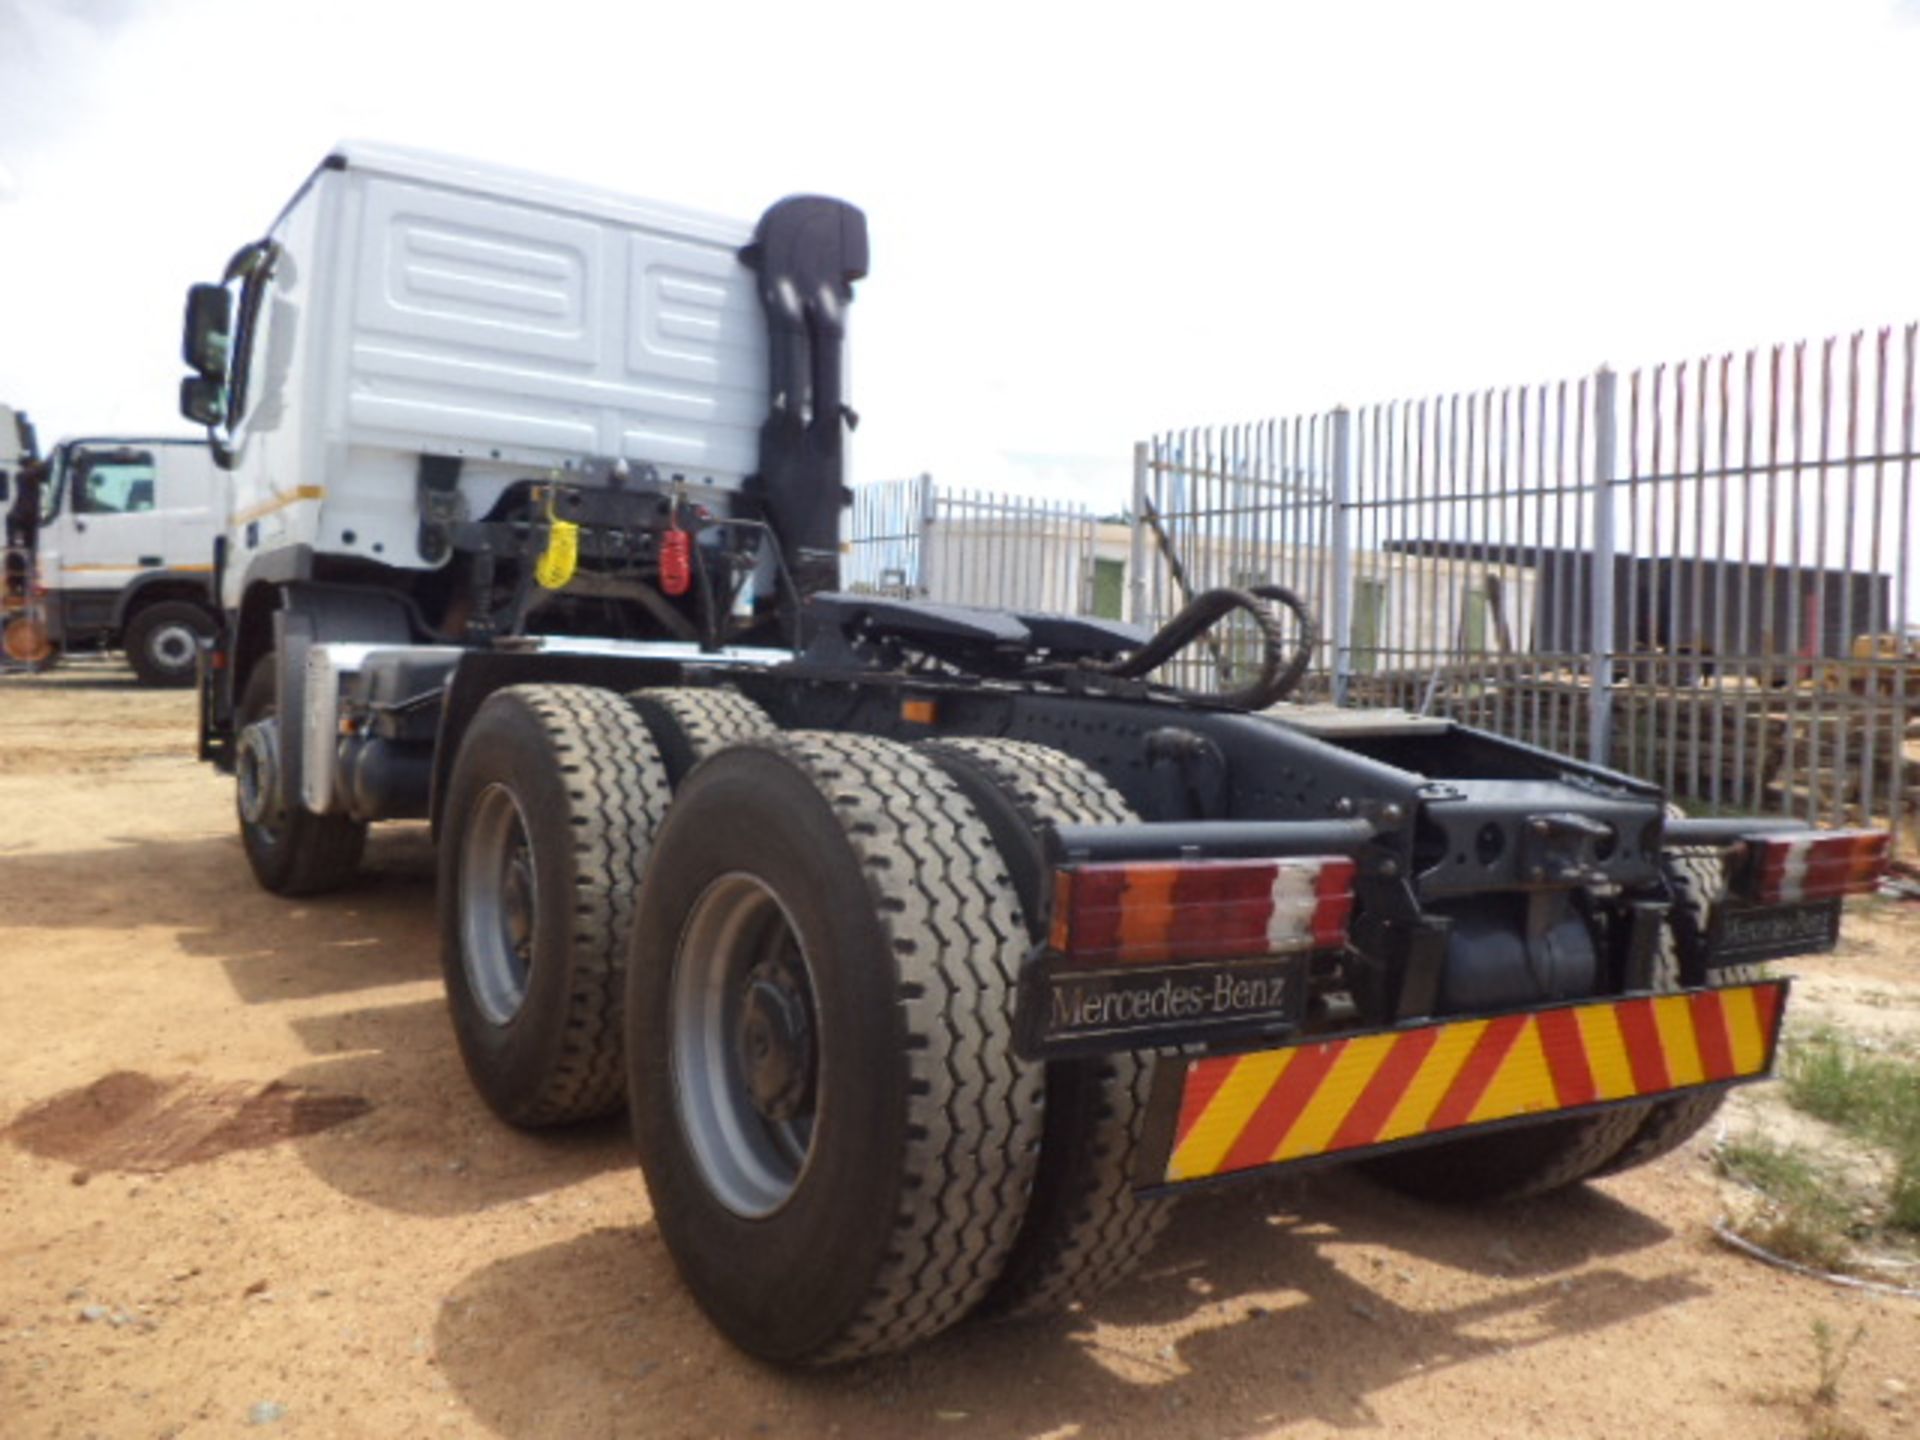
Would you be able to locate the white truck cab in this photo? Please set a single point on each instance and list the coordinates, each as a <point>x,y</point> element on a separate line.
<point>427,363</point>
<point>124,550</point>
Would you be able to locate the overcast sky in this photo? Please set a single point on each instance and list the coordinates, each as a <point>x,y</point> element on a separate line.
<point>1089,222</point>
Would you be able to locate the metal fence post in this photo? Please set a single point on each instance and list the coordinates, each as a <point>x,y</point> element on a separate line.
<point>925,504</point>
<point>1340,541</point>
<point>1600,634</point>
<point>1137,554</point>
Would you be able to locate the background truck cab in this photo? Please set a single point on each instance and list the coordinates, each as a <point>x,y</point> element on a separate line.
<point>11,453</point>
<point>125,550</point>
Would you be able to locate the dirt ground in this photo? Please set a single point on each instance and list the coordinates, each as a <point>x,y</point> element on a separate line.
<point>271,1203</point>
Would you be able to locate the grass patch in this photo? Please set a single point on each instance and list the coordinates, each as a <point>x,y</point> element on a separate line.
<point>1818,1405</point>
<point>1809,1215</point>
<point>1873,1097</point>
<point>1848,1203</point>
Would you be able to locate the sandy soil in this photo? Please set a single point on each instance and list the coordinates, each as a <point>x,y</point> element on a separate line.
<point>275,1205</point>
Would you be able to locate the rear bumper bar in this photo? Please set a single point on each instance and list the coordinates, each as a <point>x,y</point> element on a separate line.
<point>1224,1115</point>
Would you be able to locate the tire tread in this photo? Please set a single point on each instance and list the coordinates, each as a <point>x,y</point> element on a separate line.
<point>1697,881</point>
<point>616,796</point>
<point>689,724</point>
<point>974,1110</point>
<point>1086,1229</point>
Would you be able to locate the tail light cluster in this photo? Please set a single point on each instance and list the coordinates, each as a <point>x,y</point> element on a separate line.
<point>1150,912</point>
<point>1785,869</point>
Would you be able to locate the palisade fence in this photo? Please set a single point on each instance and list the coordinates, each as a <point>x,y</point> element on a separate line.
<point>1700,573</point>
<point>915,539</point>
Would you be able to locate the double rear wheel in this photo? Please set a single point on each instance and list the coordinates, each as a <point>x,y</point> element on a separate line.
<point>552,809</point>
<point>838,1139</point>
<point>800,977</point>
<point>550,816</point>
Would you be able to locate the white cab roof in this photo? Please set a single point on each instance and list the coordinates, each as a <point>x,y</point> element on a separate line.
<point>481,178</point>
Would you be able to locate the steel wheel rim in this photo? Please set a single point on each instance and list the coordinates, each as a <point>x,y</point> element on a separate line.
<point>499,908</point>
<point>256,786</point>
<point>173,646</point>
<point>739,971</point>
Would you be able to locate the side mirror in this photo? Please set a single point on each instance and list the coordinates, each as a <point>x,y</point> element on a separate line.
<point>209,330</point>
<point>203,400</point>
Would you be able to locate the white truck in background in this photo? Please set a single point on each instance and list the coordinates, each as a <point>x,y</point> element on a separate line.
<point>123,554</point>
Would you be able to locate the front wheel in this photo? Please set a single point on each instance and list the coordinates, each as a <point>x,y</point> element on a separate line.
<point>163,642</point>
<point>838,1139</point>
<point>292,850</point>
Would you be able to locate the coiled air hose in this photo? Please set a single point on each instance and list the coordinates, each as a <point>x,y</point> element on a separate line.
<point>1280,673</point>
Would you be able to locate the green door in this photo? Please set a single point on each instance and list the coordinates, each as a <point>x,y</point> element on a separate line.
<point>1369,616</point>
<point>1109,588</point>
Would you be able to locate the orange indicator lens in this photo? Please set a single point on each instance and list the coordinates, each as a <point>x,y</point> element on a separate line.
<point>1140,912</point>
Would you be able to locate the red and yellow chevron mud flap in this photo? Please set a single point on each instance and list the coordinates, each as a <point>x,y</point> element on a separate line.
<point>1223,1114</point>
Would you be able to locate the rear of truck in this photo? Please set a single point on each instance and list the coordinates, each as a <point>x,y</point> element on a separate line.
<point>933,951</point>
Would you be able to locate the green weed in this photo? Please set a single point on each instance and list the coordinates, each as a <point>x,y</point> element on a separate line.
<point>1831,1358</point>
<point>1873,1097</point>
<point>1809,1214</point>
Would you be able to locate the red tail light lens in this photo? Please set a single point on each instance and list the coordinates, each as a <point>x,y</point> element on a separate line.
<point>1153,913</point>
<point>1784,869</point>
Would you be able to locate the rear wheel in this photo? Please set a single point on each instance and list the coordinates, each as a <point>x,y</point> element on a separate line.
<point>1520,1164</point>
<point>837,1137</point>
<point>1697,881</point>
<point>688,724</point>
<point>292,850</point>
<point>1085,1229</point>
<point>550,815</point>
<point>1517,1164</point>
<point>163,642</point>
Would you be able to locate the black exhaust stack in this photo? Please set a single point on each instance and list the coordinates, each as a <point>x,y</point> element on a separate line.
<point>807,250</point>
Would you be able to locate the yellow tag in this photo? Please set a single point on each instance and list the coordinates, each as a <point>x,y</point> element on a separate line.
<point>558,561</point>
